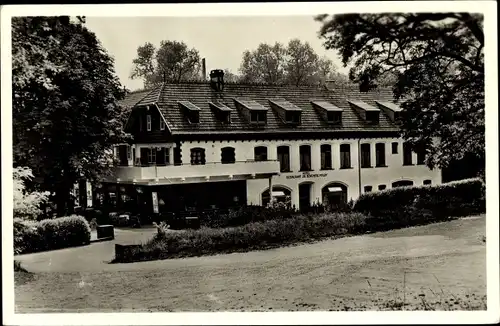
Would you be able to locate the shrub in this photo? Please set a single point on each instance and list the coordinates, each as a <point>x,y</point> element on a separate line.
<point>26,204</point>
<point>50,234</point>
<point>245,215</point>
<point>424,203</point>
<point>251,236</point>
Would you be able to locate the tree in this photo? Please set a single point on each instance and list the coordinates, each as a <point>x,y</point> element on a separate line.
<point>26,204</point>
<point>229,77</point>
<point>302,63</point>
<point>437,62</point>
<point>173,62</point>
<point>266,64</point>
<point>296,64</point>
<point>65,112</point>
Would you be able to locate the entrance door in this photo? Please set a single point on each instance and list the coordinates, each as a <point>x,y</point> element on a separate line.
<point>304,197</point>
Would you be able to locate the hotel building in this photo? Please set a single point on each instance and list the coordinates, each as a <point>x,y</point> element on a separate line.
<point>209,145</point>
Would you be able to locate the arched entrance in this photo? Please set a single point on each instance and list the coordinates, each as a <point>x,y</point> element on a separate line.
<point>305,194</point>
<point>334,196</point>
<point>402,183</point>
<point>280,193</point>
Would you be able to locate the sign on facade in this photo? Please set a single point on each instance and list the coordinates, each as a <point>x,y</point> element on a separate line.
<point>307,175</point>
<point>155,202</point>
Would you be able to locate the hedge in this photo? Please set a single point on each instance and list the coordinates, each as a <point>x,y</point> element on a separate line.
<point>50,234</point>
<point>252,236</point>
<point>399,206</point>
<point>243,215</point>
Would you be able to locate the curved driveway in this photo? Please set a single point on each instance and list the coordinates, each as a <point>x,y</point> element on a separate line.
<point>438,263</point>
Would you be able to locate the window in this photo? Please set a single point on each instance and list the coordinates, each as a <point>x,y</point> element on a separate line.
<point>167,156</point>
<point>305,158</point>
<point>368,188</point>
<point>162,124</point>
<point>197,156</point>
<point>334,117</point>
<point>148,122</point>
<point>129,152</point>
<point>407,154</point>
<point>365,156</point>
<point>380,154</point>
<point>260,153</point>
<point>394,148</point>
<point>381,187</point>
<point>140,122</point>
<point>345,156</point>
<point>326,157</point>
<point>152,155</point>
<point>372,117</point>
<point>224,117</point>
<point>259,117</point>
<point>284,158</point>
<point>402,183</point>
<point>227,155</point>
<point>122,155</point>
<point>193,116</point>
<point>292,117</point>
<point>427,182</point>
<point>421,157</point>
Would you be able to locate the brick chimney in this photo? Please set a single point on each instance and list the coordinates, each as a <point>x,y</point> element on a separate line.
<point>203,70</point>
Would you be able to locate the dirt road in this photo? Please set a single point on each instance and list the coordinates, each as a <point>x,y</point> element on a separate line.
<point>441,266</point>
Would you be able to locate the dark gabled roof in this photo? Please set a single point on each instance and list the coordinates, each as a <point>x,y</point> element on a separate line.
<point>201,94</point>
<point>132,98</point>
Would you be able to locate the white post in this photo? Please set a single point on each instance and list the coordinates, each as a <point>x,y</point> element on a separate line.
<point>316,156</point>
<point>271,189</point>
<point>137,155</point>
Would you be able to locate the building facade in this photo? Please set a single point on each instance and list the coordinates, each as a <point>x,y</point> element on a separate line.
<point>209,145</point>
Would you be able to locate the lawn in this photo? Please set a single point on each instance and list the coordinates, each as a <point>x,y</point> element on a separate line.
<point>438,266</point>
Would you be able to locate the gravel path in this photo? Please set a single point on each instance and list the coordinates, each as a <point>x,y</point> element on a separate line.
<point>440,265</point>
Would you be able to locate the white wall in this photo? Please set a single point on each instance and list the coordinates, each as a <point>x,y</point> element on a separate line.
<point>375,176</point>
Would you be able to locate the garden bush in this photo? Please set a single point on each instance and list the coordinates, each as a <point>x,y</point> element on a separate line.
<point>251,236</point>
<point>423,204</point>
<point>244,215</point>
<point>50,234</point>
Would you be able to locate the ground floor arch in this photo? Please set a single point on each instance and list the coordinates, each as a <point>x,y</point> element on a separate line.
<point>305,195</point>
<point>281,194</point>
<point>334,195</point>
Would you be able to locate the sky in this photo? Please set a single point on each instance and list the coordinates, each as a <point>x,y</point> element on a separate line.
<point>220,40</point>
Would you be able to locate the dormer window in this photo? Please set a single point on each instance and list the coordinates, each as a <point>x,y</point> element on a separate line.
<point>372,117</point>
<point>331,113</point>
<point>367,112</point>
<point>292,118</point>
<point>222,112</point>
<point>334,117</point>
<point>191,111</point>
<point>391,109</point>
<point>193,117</point>
<point>258,117</point>
<point>255,112</point>
<point>289,112</point>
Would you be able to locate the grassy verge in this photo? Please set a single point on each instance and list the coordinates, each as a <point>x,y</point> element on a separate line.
<point>261,235</point>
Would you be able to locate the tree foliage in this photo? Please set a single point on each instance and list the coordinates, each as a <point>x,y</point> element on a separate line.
<point>26,204</point>
<point>173,62</point>
<point>437,63</point>
<point>65,112</point>
<point>295,64</point>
